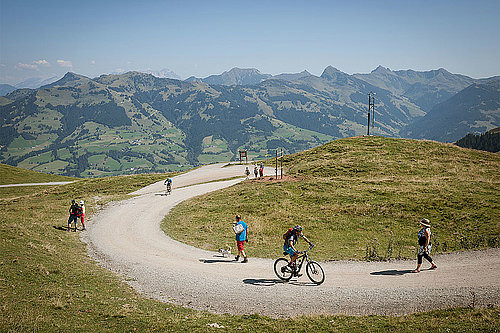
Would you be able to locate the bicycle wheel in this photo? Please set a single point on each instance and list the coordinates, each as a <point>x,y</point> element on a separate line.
<point>315,272</point>
<point>282,270</point>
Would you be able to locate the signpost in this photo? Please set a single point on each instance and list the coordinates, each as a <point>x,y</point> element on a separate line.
<point>243,153</point>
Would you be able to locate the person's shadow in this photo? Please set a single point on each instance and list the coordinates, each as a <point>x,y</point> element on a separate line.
<point>263,282</point>
<point>215,261</point>
<point>392,272</point>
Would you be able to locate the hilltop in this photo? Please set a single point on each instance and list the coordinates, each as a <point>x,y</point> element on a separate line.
<point>359,197</point>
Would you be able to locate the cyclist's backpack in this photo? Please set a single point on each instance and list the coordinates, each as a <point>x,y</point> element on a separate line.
<point>287,234</point>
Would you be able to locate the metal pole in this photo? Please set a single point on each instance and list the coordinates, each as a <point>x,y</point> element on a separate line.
<point>371,110</point>
<point>281,162</point>
<point>276,164</point>
<point>369,103</point>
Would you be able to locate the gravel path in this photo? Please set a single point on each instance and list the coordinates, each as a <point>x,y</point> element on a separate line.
<point>126,238</point>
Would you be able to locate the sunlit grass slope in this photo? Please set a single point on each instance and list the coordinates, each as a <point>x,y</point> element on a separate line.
<point>13,175</point>
<point>357,198</point>
<point>48,283</point>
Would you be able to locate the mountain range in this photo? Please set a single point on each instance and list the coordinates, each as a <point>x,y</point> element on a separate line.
<point>138,122</point>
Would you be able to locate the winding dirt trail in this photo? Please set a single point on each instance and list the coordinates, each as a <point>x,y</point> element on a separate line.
<point>126,238</point>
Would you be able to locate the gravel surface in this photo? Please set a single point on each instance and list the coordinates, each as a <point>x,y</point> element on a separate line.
<point>126,238</point>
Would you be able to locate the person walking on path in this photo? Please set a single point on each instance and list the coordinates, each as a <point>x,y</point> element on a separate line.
<point>256,172</point>
<point>424,241</point>
<point>261,171</point>
<point>247,172</point>
<point>73,217</point>
<point>241,230</point>
<point>81,214</point>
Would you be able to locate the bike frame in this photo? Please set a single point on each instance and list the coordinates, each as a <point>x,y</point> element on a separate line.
<point>303,257</point>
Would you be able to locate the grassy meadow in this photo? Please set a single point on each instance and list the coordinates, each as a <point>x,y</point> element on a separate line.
<point>48,283</point>
<point>357,198</point>
<point>13,175</point>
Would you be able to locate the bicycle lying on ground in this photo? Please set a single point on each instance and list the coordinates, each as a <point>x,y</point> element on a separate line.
<point>313,269</point>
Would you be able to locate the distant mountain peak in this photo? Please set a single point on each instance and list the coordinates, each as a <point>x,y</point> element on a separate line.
<point>164,73</point>
<point>330,69</point>
<point>68,77</point>
<point>381,70</point>
<point>333,74</point>
<point>244,70</point>
<point>291,76</point>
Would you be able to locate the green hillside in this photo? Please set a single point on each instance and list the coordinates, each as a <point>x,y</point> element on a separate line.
<point>13,175</point>
<point>473,110</point>
<point>356,195</point>
<point>48,283</point>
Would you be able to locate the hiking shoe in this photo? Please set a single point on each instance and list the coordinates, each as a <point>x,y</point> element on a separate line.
<point>236,258</point>
<point>245,260</point>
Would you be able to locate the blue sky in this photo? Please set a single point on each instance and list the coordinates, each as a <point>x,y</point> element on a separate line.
<point>45,38</point>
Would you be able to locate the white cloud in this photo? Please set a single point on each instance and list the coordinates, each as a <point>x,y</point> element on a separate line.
<point>25,66</point>
<point>92,62</point>
<point>65,63</point>
<point>41,62</point>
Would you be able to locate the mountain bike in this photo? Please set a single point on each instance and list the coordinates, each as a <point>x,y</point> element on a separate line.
<point>169,189</point>
<point>313,269</point>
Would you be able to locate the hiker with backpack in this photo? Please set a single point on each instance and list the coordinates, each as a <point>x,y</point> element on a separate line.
<point>73,211</point>
<point>241,230</point>
<point>291,237</point>
<point>424,241</point>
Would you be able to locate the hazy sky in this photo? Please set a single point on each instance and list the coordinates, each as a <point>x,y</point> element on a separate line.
<point>44,38</point>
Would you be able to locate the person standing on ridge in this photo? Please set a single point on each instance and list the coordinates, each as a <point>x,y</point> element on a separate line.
<point>241,230</point>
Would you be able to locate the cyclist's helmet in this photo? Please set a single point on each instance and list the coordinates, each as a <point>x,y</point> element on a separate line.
<point>81,202</point>
<point>73,201</point>
<point>297,228</point>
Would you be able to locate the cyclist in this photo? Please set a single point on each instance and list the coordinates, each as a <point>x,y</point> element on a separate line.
<point>168,182</point>
<point>290,241</point>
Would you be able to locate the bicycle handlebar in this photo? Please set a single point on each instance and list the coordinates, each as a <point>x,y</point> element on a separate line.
<point>310,248</point>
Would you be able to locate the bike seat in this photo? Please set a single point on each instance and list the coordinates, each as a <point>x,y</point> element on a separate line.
<point>285,253</point>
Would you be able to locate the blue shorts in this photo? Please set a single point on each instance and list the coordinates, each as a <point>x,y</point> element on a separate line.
<point>289,250</point>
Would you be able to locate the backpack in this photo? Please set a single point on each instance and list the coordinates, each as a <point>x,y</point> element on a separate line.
<point>287,234</point>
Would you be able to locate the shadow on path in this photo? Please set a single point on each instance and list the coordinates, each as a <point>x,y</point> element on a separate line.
<point>273,282</point>
<point>263,282</point>
<point>60,228</point>
<point>392,272</point>
<point>214,261</point>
